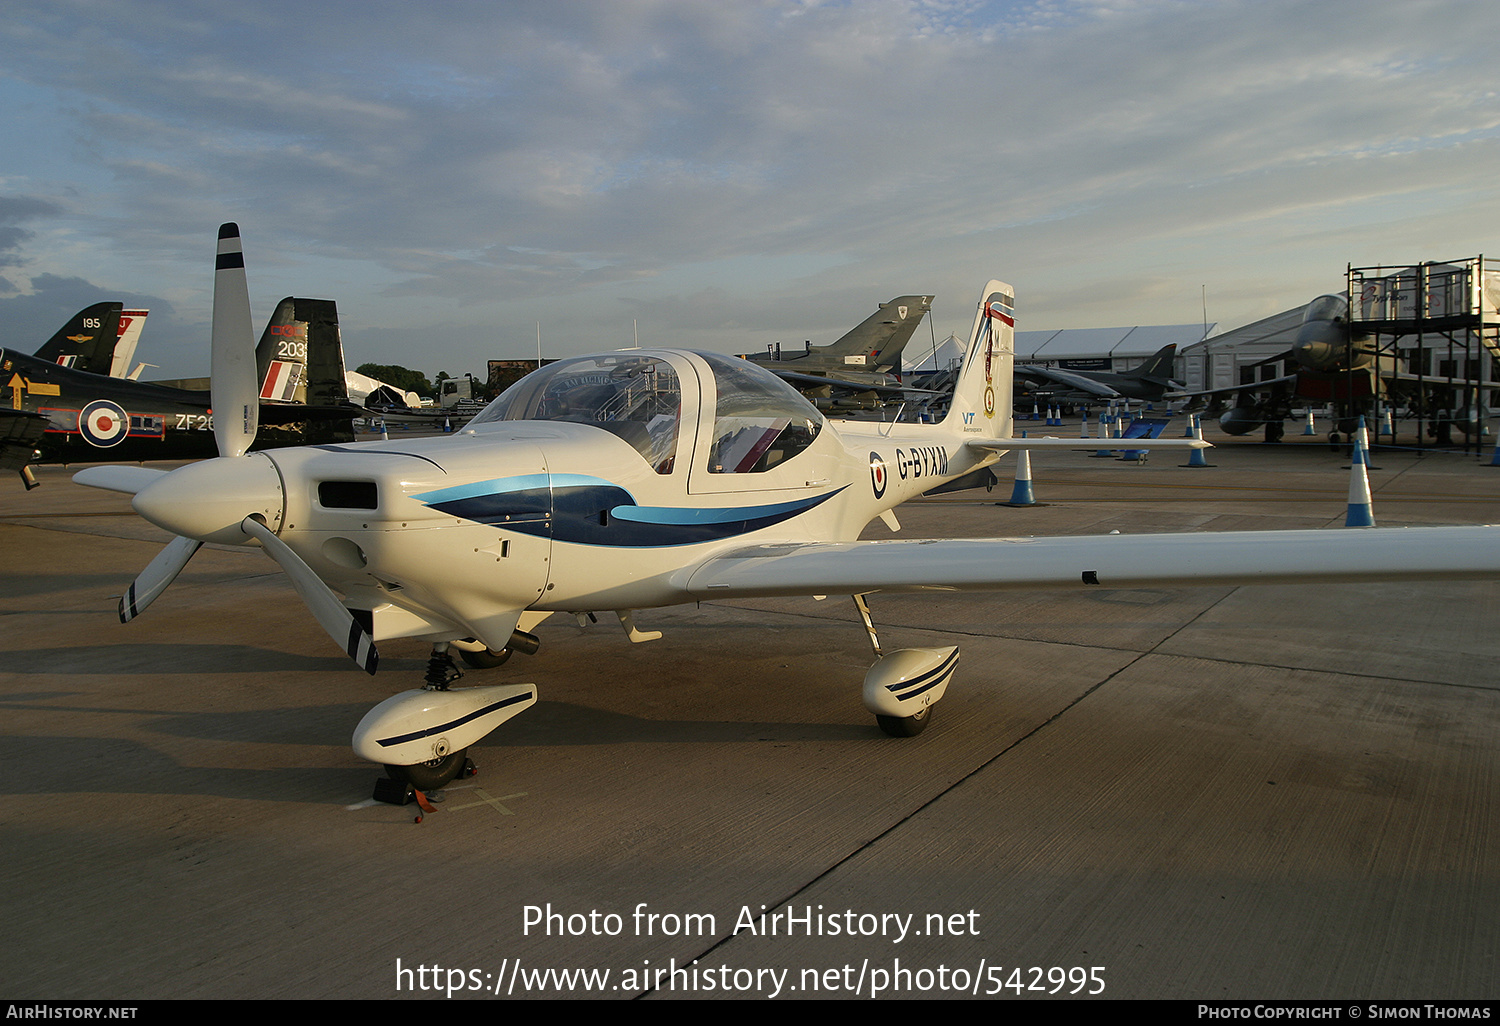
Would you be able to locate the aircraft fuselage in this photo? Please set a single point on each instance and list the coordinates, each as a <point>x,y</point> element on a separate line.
<point>92,417</point>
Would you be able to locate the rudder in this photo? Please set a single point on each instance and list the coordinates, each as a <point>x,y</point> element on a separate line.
<point>981,403</point>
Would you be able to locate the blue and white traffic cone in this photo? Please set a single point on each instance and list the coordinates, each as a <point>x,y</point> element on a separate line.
<point>1360,512</point>
<point>1021,494</point>
<point>1103,454</point>
<point>1307,428</point>
<point>1362,444</point>
<point>384,435</point>
<point>1083,432</point>
<point>1195,456</point>
<point>1386,428</point>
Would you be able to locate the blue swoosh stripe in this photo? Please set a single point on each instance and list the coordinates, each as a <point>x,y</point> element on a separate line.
<point>586,510</point>
<point>521,482</point>
<point>684,515</point>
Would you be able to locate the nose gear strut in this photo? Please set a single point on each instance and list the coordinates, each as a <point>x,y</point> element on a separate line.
<point>441,669</point>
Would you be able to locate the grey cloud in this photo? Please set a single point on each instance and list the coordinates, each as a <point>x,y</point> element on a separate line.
<point>499,153</point>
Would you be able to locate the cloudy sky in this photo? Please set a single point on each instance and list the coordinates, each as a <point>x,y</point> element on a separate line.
<point>727,174</point>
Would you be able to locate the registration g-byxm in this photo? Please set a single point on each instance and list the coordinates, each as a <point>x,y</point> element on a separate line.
<point>646,478</point>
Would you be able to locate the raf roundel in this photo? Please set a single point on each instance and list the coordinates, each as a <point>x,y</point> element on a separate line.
<point>877,474</point>
<point>103,423</point>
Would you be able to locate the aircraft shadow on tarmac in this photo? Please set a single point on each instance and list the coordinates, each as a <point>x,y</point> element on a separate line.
<point>120,765</point>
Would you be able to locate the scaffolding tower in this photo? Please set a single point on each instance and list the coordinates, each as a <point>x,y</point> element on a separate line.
<point>1433,330</point>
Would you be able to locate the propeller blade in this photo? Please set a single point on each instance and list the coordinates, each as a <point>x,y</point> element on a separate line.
<point>159,573</point>
<point>323,603</point>
<point>235,384</point>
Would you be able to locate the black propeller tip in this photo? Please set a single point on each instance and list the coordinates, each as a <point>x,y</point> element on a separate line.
<point>229,230</point>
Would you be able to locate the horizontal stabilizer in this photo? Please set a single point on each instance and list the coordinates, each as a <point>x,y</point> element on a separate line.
<point>1007,444</point>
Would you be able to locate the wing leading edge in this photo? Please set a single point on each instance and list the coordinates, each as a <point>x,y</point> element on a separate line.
<point>1106,561</point>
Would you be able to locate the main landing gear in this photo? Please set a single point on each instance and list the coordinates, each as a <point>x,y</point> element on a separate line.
<point>903,686</point>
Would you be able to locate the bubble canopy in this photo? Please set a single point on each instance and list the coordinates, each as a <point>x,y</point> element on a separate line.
<point>759,421</point>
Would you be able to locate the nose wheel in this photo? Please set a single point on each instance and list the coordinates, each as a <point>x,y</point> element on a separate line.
<point>429,776</point>
<point>905,726</point>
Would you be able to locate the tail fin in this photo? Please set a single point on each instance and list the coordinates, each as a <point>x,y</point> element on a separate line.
<point>877,341</point>
<point>301,362</point>
<point>981,403</point>
<point>1159,367</point>
<point>87,342</point>
<point>301,356</point>
<point>131,323</point>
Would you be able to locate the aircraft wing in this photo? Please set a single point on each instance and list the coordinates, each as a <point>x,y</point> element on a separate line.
<point>1077,382</point>
<point>1105,561</point>
<point>297,413</point>
<point>804,381</point>
<point>1287,382</point>
<point>1277,329</point>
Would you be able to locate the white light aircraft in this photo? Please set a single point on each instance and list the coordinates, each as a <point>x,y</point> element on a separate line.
<point>646,478</point>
